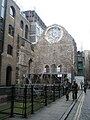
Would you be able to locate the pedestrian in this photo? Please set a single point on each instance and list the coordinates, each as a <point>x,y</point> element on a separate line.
<point>74,89</point>
<point>85,87</point>
<point>81,83</point>
<point>67,89</point>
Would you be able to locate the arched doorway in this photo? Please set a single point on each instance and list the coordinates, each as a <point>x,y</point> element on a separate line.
<point>8,75</point>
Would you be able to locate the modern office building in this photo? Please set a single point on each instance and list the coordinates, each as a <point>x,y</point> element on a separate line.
<point>80,63</point>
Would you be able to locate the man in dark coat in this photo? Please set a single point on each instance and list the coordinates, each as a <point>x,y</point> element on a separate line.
<point>74,90</point>
<point>67,89</point>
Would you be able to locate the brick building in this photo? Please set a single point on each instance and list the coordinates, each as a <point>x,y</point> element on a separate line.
<point>16,44</point>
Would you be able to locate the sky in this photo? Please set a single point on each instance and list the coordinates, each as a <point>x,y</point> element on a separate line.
<point>73,15</point>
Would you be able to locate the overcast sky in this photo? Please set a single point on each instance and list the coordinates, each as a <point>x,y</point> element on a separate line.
<point>73,15</point>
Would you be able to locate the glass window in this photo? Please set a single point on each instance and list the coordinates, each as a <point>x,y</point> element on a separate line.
<point>53,68</point>
<point>12,11</point>
<point>2,12</point>
<point>26,32</point>
<point>47,69</point>
<point>11,30</point>
<point>9,50</point>
<point>21,24</point>
<point>3,2</point>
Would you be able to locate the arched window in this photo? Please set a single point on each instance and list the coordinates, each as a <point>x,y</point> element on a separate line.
<point>47,69</point>
<point>8,75</point>
<point>9,50</point>
<point>12,11</point>
<point>59,68</point>
<point>21,24</point>
<point>26,32</point>
<point>29,65</point>
<point>53,68</point>
<point>11,30</point>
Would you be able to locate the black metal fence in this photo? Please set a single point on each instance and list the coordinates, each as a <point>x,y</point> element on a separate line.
<point>5,102</point>
<point>25,100</point>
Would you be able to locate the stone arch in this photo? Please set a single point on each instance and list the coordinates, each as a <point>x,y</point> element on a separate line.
<point>53,68</point>
<point>8,75</point>
<point>21,24</point>
<point>12,11</point>
<point>59,68</point>
<point>47,69</point>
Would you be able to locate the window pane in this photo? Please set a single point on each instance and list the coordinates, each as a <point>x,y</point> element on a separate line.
<point>9,50</point>
<point>2,12</point>
<point>12,11</point>
<point>3,1</point>
<point>21,24</point>
<point>11,30</point>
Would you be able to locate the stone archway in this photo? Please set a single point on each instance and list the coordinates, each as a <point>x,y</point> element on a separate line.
<point>47,68</point>
<point>53,68</point>
<point>8,75</point>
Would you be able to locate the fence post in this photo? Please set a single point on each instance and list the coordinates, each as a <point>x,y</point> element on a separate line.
<point>25,101</point>
<point>59,90</point>
<point>53,92</point>
<point>45,95</point>
<point>63,91</point>
<point>12,100</point>
<point>32,110</point>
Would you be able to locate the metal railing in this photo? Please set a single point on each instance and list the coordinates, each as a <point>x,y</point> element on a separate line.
<point>27,99</point>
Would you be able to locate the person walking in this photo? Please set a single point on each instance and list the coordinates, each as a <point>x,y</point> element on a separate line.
<point>67,89</point>
<point>74,90</point>
<point>81,83</point>
<point>85,87</point>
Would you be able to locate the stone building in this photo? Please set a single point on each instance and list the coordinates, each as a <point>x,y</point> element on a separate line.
<point>37,26</point>
<point>55,53</point>
<point>87,65</point>
<point>2,19</point>
<point>16,45</point>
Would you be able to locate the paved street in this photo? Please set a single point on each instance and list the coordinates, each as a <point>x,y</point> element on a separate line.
<point>85,111</point>
<point>81,110</point>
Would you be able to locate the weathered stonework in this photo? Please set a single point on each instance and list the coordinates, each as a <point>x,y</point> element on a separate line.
<point>61,53</point>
